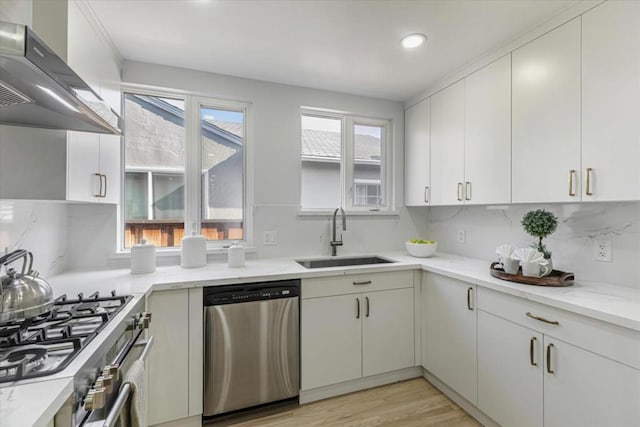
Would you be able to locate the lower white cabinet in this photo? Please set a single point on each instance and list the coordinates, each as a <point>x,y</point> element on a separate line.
<point>509,372</point>
<point>529,377</point>
<point>175,359</point>
<point>583,389</point>
<point>331,345</point>
<point>346,337</point>
<point>387,331</point>
<point>450,322</point>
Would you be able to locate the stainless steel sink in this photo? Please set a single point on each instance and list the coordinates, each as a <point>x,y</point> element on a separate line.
<point>342,261</point>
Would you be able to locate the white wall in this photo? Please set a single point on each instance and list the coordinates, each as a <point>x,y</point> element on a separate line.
<point>579,225</point>
<point>276,169</point>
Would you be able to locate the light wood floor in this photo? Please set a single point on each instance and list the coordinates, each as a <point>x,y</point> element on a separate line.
<point>409,403</point>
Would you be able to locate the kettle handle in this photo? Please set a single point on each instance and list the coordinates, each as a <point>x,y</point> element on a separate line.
<point>16,255</point>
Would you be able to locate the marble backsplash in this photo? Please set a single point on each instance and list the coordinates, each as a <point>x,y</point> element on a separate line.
<point>38,226</point>
<point>573,243</point>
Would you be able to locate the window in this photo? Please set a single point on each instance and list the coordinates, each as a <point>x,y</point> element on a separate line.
<point>163,197</point>
<point>343,162</point>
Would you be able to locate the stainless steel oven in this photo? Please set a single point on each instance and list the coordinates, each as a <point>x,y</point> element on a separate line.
<point>100,395</point>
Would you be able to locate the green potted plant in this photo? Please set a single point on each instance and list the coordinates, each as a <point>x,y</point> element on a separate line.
<point>540,224</point>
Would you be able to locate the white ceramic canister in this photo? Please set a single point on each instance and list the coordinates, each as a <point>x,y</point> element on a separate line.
<point>236,255</point>
<point>143,258</point>
<point>194,251</point>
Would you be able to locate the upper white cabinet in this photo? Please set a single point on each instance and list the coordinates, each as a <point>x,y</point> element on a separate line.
<point>85,167</point>
<point>611,102</point>
<point>417,163</point>
<point>546,117</point>
<point>487,134</point>
<point>471,138</point>
<point>447,145</point>
<point>450,321</point>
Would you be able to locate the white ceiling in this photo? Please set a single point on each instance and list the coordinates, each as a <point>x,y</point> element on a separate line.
<point>345,46</point>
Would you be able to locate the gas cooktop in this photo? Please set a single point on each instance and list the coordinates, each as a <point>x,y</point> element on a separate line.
<point>46,344</point>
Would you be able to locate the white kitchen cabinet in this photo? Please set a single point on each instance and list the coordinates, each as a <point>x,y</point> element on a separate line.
<point>447,146</point>
<point>584,389</point>
<point>168,358</point>
<point>93,167</point>
<point>611,102</point>
<point>175,363</point>
<point>387,331</point>
<point>509,372</point>
<point>586,372</point>
<point>352,327</point>
<point>331,344</point>
<point>451,334</point>
<point>546,117</point>
<point>417,162</point>
<point>86,167</point>
<point>487,134</point>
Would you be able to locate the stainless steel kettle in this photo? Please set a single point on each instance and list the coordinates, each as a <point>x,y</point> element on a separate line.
<point>23,295</point>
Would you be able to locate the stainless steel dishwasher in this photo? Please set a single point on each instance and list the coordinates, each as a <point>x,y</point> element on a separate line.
<point>251,345</point>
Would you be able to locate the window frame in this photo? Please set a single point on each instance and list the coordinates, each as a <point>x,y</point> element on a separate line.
<point>347,162</point>
<point>193,163</point>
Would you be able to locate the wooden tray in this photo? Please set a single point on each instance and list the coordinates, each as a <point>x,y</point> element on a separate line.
<point>557,278</point>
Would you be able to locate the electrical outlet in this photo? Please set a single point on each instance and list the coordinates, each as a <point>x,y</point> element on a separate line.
<point>270,238</point>
<point>462,236</point>
<point>603,250</point>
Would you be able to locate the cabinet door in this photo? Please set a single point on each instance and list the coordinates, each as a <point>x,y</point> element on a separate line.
<point>331,340</point>
<point>510,372</point>
<point>586,389</point>
<point>447,145</point>
<point>168,362</point>
<point>611,101</point>
<point>110,167</point>
<point>416,149</point>
<point>84,48</point>
<point>451,334</point>
<point>387,331</point>
<point>487,134</point>
<point>83,153</point>
<point>546,117</point>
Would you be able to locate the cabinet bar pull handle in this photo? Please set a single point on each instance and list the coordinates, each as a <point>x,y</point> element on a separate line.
<point>531,348</point>
<point>459,191</point>
<point>467,190</point>
<point>357,308</point>
<point>105,185</point>
<point>542,319</point>
<point>100,189</point>
<point>549,370</point>
<point>366,300</point>
<point>426,198</point>
<point>363,282</point>
<point>469,298</point>
<point>572,172</point>
<point>588,178</point>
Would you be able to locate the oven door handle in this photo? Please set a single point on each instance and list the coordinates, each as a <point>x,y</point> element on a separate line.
<point>125,391</point>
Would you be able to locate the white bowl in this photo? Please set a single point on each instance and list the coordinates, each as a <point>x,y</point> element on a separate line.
<point>421,250</point>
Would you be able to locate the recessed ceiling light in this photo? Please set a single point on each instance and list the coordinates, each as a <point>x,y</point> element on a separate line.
<point>413,40</point>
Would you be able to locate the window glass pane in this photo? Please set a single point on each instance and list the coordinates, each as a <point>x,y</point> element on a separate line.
<point>321,162</point>
<point>154,156</point>
<point>222,144</point>
<point>367,168</point>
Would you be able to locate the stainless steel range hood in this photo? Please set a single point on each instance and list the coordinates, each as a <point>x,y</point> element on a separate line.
<point>38,89</point>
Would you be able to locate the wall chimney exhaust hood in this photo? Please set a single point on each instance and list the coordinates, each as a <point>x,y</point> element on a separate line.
<point>38,89</point>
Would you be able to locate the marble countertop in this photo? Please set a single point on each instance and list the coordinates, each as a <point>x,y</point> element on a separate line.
<point>33,404</point>
<point>610,303</point>
<point>614,304</point>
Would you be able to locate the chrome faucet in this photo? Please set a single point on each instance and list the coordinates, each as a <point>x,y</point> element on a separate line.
<point>334,241</point>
